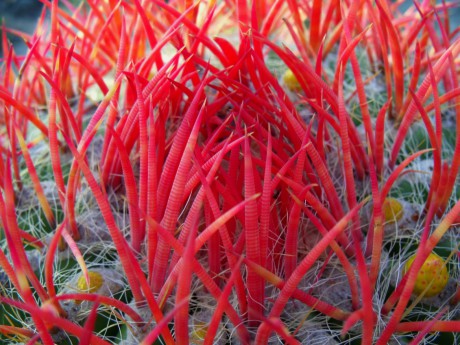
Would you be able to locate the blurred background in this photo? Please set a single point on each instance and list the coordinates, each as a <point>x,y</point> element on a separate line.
<point>21,15</point>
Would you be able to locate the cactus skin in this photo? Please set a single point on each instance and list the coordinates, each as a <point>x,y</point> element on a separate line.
<point>392,210</point>
<point>432,271</point>
<point>291,81</point>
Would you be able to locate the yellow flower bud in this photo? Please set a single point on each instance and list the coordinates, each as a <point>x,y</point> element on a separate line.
<point>291,81</point>
<point>199,332</point>
<point>433,272</point>
<point>392,210</point>
<point>95,282</point>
